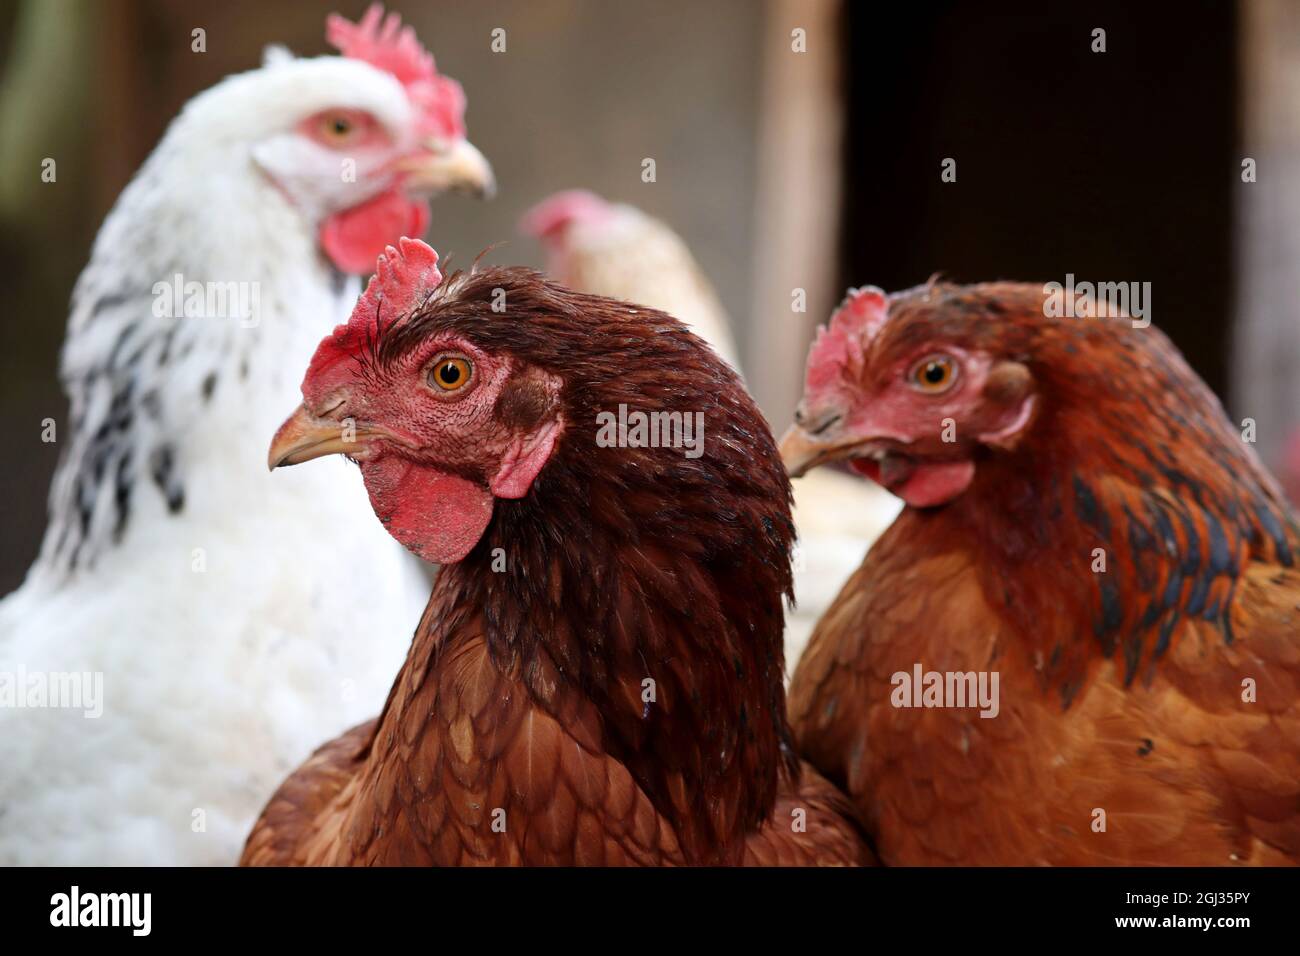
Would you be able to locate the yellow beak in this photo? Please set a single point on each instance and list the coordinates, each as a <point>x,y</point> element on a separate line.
<point>303,437</point>
<point>801,453</point>
<point>447,166</point>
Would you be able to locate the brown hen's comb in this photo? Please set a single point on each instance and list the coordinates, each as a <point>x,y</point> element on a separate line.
<point>384,43</point>
<point>403,279</point>
<point>842,343</point>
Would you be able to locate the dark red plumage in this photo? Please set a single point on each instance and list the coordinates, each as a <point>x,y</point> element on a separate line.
<point>525,701</point>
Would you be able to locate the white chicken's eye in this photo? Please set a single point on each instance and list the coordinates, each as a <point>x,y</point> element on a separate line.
<point>337,127</point>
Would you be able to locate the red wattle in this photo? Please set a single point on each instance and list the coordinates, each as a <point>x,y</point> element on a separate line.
<point>354,238</point>
<point>919,482</point>
<point>930,484</point>
<point>437,515</point>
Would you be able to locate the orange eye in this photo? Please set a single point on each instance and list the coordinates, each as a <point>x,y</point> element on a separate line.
<point>337,128</point>
<point>934,374</point>
<point>450,374</point>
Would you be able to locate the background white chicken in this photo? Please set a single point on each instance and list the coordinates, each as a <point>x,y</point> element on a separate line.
<point>619,251</point>
<point>219,603</point>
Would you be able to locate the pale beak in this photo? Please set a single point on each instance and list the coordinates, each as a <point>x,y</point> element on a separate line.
<point>304,436</point>
<point>801,452</point>
<point>446,166</point>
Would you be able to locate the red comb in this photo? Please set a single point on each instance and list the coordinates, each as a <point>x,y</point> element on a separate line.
<point>383,42</point>
<point>403,279</point>
<point>842,343</point>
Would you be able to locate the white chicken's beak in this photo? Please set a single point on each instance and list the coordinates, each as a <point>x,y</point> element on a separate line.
<point>445,166</point>
<point>304,436</point>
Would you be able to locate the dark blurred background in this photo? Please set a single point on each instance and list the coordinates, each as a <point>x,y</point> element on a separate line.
<point>1118,165</point>
<point>815,170</point>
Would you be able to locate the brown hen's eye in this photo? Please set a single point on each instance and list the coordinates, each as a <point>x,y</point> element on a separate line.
<point>450,374</point>
<point>934,374</point>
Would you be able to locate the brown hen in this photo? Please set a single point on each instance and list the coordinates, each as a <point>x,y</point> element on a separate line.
<point>597,678</point>
<point>1084,523</point>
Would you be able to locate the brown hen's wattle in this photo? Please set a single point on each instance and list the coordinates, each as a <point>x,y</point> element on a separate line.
<point>519,730</point>
<point>1150,711</point>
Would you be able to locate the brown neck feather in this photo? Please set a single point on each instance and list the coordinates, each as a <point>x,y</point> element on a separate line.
<point>1140,471</point>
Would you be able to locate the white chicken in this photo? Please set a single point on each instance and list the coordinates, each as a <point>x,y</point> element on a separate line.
<point>619,251</point>
<point>208,612</point>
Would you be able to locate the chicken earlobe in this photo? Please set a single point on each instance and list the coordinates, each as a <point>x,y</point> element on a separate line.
<point>524,460</point>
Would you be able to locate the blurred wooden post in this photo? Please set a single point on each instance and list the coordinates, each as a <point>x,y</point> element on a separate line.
<point>798,193</point>
<point>1266,354</point>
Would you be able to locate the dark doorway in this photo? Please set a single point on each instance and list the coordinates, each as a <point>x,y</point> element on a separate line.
<point>1114,166</point>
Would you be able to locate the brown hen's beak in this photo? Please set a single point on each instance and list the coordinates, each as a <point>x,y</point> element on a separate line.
<point>447,166</point>
<point>304,436</point>
<point>801,452</point>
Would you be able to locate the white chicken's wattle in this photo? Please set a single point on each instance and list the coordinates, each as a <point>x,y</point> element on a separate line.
<point>219,605</point>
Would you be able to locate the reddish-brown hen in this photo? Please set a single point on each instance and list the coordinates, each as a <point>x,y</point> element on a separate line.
<point>597,678</point>
<point>1084,524</point>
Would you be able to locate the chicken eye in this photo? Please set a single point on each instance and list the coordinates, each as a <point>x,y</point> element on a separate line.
<point>337,127</point>
<point>934,374</point>
<point>450,374</point>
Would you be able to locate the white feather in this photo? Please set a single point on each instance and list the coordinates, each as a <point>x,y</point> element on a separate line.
<point>272,611</point>
<point>630,255</point>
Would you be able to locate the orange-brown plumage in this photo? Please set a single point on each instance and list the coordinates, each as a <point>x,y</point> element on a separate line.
<point>1121,690</point>
<point>597,678</point>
